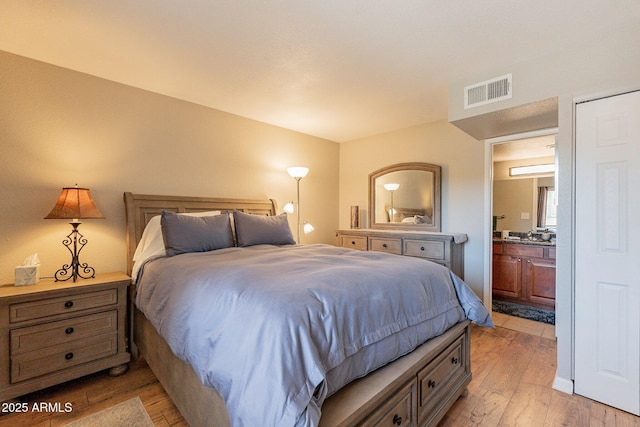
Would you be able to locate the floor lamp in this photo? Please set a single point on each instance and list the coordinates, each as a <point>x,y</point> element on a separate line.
<point>391,187</point>
<point>297,173</point>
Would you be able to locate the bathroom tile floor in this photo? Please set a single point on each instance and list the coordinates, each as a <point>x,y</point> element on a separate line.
<point>527,326</point>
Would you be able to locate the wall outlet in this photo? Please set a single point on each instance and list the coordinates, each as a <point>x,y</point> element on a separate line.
<point>524,215</point>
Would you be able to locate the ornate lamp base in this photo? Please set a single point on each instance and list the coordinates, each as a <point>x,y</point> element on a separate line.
<point>75,269</point>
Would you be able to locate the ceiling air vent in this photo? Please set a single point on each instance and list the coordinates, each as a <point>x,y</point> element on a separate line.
<point>486,92</point>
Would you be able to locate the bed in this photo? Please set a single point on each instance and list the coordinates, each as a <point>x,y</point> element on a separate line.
<point>334,384</point>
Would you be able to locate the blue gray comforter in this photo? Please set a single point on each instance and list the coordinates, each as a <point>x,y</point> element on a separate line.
<point>266,326</point>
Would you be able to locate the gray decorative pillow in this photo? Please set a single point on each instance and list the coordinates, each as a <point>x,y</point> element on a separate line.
<point>183,233</point>
<point>262,230</point>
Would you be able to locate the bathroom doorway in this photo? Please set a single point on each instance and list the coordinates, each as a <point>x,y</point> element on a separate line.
<point>523,226</point>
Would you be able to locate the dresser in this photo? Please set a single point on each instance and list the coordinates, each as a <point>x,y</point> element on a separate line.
<point>443,248</point>
<point>53,332</point>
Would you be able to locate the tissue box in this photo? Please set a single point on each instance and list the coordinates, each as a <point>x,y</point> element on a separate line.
<point>27,275</point>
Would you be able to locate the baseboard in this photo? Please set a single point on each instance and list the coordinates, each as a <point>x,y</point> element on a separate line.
<point>562,384</point>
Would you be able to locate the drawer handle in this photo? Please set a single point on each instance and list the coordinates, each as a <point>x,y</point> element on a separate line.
<point>384,245</point>
<point>68,356</point>
<point>422,248</point>
<point>68,304</point>
<point>353,243</point>
<point>397,419</point>
<point>68,331</point>
<point>431,384</point>
<point>454,360</point>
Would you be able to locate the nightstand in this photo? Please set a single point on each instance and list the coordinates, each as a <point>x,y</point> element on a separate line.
<point>54,332</point>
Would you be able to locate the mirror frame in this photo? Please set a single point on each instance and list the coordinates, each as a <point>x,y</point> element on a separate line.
<point>411,166</point>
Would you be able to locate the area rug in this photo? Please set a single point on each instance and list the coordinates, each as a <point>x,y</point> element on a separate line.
<point>524,311</point>
<point>130,414</point>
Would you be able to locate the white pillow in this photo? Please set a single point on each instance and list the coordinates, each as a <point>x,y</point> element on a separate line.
<point>151,244</point>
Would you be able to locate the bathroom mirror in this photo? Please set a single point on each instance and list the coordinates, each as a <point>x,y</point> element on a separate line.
<point>405,196</point>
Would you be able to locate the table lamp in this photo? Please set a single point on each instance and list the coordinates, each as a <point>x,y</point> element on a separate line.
<point>74,203</point>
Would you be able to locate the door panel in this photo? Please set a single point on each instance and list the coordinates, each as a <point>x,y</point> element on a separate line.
<point>607,251</point>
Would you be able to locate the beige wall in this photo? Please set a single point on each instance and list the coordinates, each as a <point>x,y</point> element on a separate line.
<point>512,198</point>
<point>461,158</point>
<point>59,127</point>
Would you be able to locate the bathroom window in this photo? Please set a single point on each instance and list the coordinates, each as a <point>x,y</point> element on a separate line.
<point>551,209</point>
<point>547,208</point>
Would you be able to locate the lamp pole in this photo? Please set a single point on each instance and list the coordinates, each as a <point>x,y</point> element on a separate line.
<point>391,187</point>
<point>298,213</point>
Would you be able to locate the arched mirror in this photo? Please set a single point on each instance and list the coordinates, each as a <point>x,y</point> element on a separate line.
<point>405,196</point>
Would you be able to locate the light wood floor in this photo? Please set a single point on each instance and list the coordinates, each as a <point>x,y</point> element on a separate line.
<point>513,368</point>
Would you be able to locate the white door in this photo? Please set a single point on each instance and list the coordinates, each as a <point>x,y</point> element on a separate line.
<point>607,251</point>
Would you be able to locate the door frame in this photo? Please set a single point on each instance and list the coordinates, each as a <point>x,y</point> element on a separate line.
<point>487,297</point>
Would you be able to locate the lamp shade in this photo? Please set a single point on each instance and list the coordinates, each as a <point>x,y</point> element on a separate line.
<point>297,172</point>
<point>308,228</point>
<point>391,186</point>
<point>289,208</point>
<point>75,203</point>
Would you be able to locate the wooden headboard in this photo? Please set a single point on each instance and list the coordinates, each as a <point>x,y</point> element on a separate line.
<point>140,208</point>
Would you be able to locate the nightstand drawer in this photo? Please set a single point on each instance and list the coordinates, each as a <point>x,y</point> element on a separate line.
<point>422,249</point>
<point>50,334</point>
<point>389,245</point>
<point>69,304</point>
<point>354,242</point>
<point>37,363</point>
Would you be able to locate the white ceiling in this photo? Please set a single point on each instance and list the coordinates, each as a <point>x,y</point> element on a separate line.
<point>529,148</point>
<point>337,69</point>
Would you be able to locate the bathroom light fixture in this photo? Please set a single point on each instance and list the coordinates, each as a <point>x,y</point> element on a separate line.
<point>297,173</point>
<point>75,203</point>
<point>391,187</point>
<point>530,170</point>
